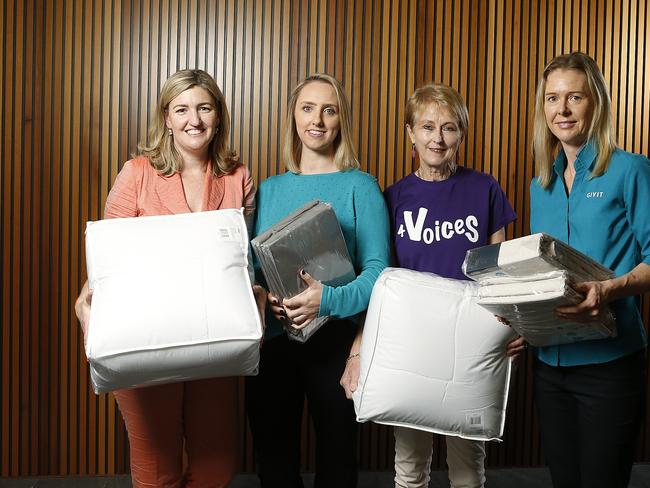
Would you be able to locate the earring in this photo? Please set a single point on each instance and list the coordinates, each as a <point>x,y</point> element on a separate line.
<point>413,151</point>
<point>169,131</point>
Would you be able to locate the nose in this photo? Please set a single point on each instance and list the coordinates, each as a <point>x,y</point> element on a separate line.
<point>317,118</point>
<point>195,118</point>
<point>564,107</point>
<point>438,137</point>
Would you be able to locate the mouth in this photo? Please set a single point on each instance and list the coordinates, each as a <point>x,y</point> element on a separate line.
<point>316,133</point>
<point>438,150</point>
<point>194,132</point>
<point>565,124</point>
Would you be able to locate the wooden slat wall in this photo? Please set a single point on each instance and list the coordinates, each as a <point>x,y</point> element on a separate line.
<point>78,84</point>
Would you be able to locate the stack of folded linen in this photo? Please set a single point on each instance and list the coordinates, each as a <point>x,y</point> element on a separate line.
<point>432,359</point>
<point>524,280</point>
<point>172,300</point>
<point>311,239</point>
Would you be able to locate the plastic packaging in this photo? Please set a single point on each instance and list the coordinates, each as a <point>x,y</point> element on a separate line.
<point>524,280</point>
<point>432,359</point>
<point>172,300</point>
<point>311,239</point>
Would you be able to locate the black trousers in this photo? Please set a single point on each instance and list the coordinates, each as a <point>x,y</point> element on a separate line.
<point>289,371</point>
<point>589,418</point>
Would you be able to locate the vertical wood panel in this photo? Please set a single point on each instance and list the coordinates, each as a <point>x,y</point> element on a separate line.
<point>79,81</point>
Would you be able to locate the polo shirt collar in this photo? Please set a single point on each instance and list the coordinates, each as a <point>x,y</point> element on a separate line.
<point>587,156</point>
<point>584,161</point>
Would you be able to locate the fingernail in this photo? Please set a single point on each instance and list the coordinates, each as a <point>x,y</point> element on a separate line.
<point>302,272</point>
<point>274,301</point>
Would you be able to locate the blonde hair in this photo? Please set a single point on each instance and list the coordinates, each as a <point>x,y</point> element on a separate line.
<point>546,146</point>
<point>345,156</point>
<point>159,145</point>
<point>441,96</point>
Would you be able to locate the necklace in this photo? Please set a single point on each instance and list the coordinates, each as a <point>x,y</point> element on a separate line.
<point>418,173</point>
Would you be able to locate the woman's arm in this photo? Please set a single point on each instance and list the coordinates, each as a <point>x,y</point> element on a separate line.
<point>350,379</point>
<point>82,308</point>
<point>372,254</point>
<point>636,198</point>
<point>599,293</point>
<point>372,249</point>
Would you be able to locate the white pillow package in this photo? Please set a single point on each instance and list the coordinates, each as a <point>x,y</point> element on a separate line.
<point>172,300</point>
<point>432,358</point>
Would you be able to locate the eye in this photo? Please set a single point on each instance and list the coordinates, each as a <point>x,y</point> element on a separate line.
<point>427,127</point>
<point>180,110</point>
<point>551,99</point>
<point>205,108</point>
<point>575,98</point>
<point>450,128</point>
<point>306,108</point>
<point>330,111</point>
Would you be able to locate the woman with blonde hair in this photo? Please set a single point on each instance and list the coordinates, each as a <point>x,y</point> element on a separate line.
<point>590,194</point>
<point>186,166</point>
<point>468,209</point>
<point>322,165</point>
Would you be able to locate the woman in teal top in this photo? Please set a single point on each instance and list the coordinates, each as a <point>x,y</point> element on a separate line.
<point>595,197</point>
<point>322,165</point>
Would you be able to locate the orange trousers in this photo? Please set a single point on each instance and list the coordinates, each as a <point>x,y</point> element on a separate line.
<point>200,416</point>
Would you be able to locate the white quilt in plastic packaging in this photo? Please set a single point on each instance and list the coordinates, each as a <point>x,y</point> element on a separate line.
<point>432,359</point>
<point>172,300</point>
<point>525,279</point>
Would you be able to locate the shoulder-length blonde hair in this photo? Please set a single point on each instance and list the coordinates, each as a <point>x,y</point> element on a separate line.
<point>345,156</point>
<point>159,145</point>
<point>438,95</point>
<point>546,146</point>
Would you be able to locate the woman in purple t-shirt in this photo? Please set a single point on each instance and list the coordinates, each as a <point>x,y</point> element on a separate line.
<point>437,213</point>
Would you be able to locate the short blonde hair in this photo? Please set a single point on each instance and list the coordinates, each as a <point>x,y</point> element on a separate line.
<point>546,146</point>
<point>345,156</point>
<point>159,145</point>
<point>441,96</point>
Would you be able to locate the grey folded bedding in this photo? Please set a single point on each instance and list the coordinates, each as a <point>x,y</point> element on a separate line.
<point>311,239</point>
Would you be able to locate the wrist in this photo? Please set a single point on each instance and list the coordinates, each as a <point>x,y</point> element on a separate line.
<point>352,356</point>
<point>610,288</point>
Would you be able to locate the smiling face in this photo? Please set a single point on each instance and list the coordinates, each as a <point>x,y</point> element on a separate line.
<point>568,107</point>
<point>317,118</point>
<point>436,136</point>
<point>192,116</point>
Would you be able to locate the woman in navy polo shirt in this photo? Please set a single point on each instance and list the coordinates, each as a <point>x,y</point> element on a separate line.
<point>595,197</point>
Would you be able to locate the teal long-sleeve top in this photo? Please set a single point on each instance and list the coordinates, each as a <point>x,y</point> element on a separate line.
<point>608,219</point>
<point>361,211</point>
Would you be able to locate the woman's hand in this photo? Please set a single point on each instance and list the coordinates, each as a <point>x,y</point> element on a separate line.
<point>599,293</point>
<point>350,379</point>
<point>276,309</point>
<point>260,300</point>
<point>303,308</point>
<point>594,303</point>
<point>516,347</point>
<point>82,308</point>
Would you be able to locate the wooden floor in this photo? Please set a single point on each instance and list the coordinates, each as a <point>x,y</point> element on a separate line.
<point>496,478</point>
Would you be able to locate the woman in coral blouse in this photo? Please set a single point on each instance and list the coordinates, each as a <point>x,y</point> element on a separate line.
<point>185,166</point>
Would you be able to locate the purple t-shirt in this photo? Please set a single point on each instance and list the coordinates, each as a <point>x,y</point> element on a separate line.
<point>434,223</point>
